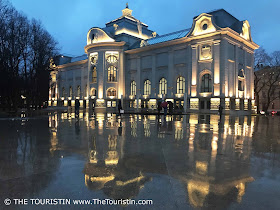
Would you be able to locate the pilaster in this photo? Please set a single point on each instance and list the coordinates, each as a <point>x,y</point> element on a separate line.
<point>217,67</point>
<point>170,87</point>
<point>194,70</point>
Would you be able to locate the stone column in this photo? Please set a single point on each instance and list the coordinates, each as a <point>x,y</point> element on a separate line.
<point>139,91</point>
<point>101,75</point>
<point>235,79</point>
<point>154,89</point>
<point>252,77</point>
<point>121,81</point>
<point>170,85</point>
<point>194,71</point>
<point>217,75</point>
<point>247,76</point>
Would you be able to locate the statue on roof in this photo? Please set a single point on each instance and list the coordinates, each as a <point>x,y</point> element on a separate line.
<point>126,5</point>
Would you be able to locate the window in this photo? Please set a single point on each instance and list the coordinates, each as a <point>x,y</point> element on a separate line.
<point>147,87</point>
<point>78,91</point>
<point>63,92</point>
<point>94,74</point>
<point>112,59</point>
<point>53,91</point>
<point>133,88</point>
<point>206,83</point>
<point>93,59</point>
<point>241,85</point>
<point>93,92</point>
<point>111,104</point>
<point>70,91</point>
<point>112,74</point>
<point>241,77</point>
<point>241,73</point>
<point>181,85</point>
<point>111,92</point>
<point>162,86</point>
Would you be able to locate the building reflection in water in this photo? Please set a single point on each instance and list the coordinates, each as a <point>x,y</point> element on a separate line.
<point>27,151</point>
<point>208,155</point>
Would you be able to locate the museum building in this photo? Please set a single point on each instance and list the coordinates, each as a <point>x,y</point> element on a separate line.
<point>197,69</point>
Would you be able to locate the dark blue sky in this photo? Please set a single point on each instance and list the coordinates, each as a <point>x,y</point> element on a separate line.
<point>69,20</point>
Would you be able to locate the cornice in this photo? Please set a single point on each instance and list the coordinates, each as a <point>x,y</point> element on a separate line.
<point>224,31</point>
<point>104,44</point>
<point>72,64</point>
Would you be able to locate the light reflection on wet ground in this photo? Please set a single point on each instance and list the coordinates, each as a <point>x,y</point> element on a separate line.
<point>190,161</point>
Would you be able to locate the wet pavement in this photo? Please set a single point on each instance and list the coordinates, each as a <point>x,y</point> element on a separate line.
<point>178,162</point>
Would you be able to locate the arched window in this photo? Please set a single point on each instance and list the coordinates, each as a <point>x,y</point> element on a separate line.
<point>133,88</point>
<point>78,91</point>
<point>111,92</point>
<point>94,74</point>
<point>147,87</point>
<point>206,83</point>
<point>181,85</point>
<point>162,86</point>
<point>112,74</point>
<point>63,92</point>
<point>241,84</point>
<point>70,92</point>
<point>93,92</point>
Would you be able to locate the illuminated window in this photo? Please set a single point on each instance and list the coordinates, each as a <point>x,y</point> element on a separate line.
<point>111,92</point>
<point>94,74</point>
<point>111,104</point>
<point>63,92</point>
<point>93,92</point>
<point>112,59</point>
<point>181,85</point>
<point>133,88</point>
<point>112,74</point>
<point>70,91</point>
<point>206,83</point>
<point>162,86</point>
<point>147,87</point>
<point>78,90</point>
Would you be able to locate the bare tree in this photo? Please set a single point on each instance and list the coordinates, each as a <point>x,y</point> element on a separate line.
<point>267,78</point>
<point>25,50</point>
<point>262,60</point>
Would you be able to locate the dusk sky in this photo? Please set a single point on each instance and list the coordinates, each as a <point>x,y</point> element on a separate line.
<point>68,21</point>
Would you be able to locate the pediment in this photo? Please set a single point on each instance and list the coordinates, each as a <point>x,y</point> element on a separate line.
<point>246,31</point>
<point>202,24</point>
<point>97,35</point>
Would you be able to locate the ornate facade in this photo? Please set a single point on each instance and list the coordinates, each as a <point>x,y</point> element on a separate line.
<point>198,69</point>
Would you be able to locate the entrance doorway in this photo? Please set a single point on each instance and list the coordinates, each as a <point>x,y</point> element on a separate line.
<point>204,104</point>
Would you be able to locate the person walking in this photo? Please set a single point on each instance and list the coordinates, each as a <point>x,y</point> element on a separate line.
<point>170,107</point>
<point>159,107</point>
<point>77,107</point>
<point>164,105</point>
<point>120,107</point>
